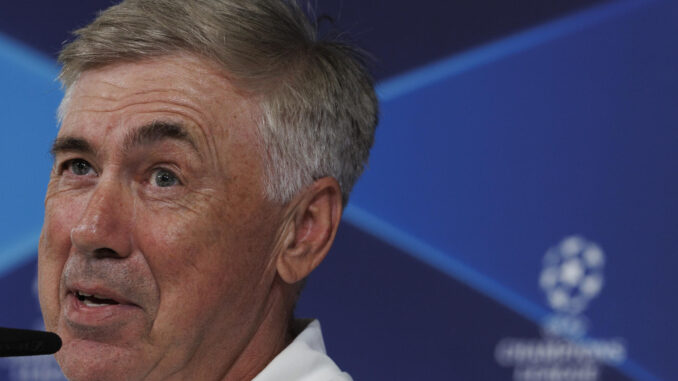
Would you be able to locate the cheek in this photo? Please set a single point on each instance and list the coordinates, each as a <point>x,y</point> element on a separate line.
<point>53,250</point>
<point>61,215</point>
<point>186,252</point>
<point>204,257</point>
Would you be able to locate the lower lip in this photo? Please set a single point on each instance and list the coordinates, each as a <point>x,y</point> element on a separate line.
<point>81,315</point>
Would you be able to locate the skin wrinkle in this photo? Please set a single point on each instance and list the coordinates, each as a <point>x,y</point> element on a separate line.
<point>193,116</point>
<point>126,148</point>
<point>122,278</point>
<point>114,109</point>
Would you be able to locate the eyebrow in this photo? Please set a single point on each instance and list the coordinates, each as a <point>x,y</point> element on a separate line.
<point>71,144</point>
<point>144,135</point>
<point>158,131</point>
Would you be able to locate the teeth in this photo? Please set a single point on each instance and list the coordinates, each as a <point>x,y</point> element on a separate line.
<point>89,299</point>
<point>89,303</point>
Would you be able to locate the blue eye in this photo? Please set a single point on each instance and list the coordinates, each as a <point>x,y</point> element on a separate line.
<point>79,167</point>
<point>164,178</point>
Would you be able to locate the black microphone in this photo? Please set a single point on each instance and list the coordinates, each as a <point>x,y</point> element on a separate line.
<point>24,342</point>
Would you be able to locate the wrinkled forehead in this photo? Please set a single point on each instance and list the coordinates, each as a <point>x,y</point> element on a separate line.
<point>106,105</point>
<point>182,85</point>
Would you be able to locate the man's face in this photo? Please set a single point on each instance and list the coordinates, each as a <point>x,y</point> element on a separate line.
<point>156,254</point>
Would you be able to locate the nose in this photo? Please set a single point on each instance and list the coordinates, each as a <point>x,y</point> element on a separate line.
<point>105,226</point>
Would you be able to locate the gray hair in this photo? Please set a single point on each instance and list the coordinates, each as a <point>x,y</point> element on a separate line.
<point>317,99</point>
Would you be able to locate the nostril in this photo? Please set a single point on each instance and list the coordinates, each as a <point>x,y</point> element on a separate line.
<point>105,252</point>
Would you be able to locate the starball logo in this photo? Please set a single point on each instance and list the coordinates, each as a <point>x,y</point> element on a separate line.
<point>571,277</point>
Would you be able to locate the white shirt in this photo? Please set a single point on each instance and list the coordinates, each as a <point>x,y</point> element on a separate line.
<point>304,360</point>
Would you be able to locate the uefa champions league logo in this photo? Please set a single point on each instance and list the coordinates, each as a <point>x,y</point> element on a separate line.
<point>572,274</point>
<point>571,277</point>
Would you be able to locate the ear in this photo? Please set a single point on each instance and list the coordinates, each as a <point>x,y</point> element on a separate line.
<point>311,230</point>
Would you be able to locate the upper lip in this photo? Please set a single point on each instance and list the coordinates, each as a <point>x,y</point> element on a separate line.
<point>99,292</point>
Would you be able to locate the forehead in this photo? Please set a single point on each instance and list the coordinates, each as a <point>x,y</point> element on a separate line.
<point>182,88</point>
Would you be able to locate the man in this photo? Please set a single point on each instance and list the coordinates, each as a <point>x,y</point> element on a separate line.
<point>205,153</point>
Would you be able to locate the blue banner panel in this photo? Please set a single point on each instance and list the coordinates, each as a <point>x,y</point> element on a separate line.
<point>387,316</point>
<point>29,96</point>
<point>493,157</point>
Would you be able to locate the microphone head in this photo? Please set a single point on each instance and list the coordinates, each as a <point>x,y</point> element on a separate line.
<point>24,342</point>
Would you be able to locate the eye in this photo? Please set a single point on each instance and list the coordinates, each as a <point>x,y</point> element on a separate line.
<point>164,178</point>
<point>78,167</point>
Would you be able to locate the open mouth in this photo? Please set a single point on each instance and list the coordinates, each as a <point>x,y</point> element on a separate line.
<point>94,300</point>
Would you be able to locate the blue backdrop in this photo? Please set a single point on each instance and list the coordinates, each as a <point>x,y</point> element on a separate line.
<point>507,130</point>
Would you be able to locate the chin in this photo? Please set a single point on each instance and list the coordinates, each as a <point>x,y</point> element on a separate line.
<point>84,360</point>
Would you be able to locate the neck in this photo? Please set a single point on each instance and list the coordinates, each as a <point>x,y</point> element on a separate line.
<point>269,339</point>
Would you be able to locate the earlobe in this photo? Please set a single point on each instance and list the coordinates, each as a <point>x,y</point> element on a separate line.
<point>311,230</point>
